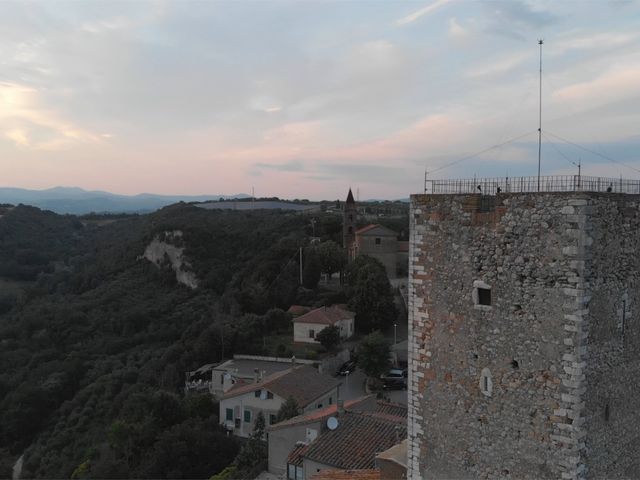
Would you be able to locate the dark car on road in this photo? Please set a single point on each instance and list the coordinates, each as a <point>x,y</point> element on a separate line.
<point>394,379</point>
<point>347,368</point>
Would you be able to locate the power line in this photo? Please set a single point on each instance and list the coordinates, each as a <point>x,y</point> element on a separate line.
<point>469,157</point>
<point>606,157</point>
<point>558,150</point>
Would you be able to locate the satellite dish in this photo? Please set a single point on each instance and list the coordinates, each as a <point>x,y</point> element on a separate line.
<point>263,395</point>
<point>332,423</point>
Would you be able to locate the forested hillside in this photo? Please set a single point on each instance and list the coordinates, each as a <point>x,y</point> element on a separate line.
<point>95,340</point>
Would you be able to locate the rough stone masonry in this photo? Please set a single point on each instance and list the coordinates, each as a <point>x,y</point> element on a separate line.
<point>524,336</point>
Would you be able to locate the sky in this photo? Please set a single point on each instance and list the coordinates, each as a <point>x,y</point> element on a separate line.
<point>304,99</point>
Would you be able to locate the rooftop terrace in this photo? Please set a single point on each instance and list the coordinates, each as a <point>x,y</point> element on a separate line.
<point>556,183</point>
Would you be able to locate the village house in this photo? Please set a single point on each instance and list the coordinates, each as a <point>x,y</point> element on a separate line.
<point>242,369</point>
<point>307,326</point>
<point>390,465</point>
<point>380,243</point>
<point>347,438</point>
<point>284,436</point>
<point>393,462</point>
<point>311,390</point>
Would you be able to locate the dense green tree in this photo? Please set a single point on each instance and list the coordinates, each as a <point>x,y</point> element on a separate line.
<point>373,354</point>
<point>329,337</point>
<point>332,257</point>
<point>252,458</point>
<point>186,451</point>
<point>371,296</point>
<point>288,409</point>
<point>277,320</point>
<point>312,268</point>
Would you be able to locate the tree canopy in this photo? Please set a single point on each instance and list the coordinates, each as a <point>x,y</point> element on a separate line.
<point>332,257</point>
<point>329,337</point>
<point>371,297</point>
<point>373,354</point>
<point>289,409</point>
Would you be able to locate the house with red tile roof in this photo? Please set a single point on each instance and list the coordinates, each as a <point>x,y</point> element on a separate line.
<point>307,326</point>
<point>311,390</point>
<point>390,465</point>
<point>359,430</point>
<point>354,443</point>
<point>303,429</point>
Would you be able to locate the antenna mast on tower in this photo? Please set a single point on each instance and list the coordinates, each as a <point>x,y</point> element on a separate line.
<point>540,42</point>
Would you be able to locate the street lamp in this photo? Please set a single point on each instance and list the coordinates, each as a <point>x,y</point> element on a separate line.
<point>395,336</point>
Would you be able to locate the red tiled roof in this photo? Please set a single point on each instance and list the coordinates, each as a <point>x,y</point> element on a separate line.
<point>298,310</point>
<point>297,454</point>
<point>371,226</point>
<point>325,315</point>
<point>367,228</point>
<point>394,410</point>
<point>368,474</point>
<point>316,415</point>
<point>304,384</point>
<point>356,441</point>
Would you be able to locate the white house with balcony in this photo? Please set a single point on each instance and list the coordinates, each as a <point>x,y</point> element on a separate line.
<point>311,390</point>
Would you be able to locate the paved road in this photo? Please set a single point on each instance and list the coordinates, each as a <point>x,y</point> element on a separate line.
<point>353,387</point>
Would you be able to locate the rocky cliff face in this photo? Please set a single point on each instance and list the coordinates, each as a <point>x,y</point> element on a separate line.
<point>164,248</point>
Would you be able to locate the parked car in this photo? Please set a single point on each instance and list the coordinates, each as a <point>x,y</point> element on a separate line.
<point>394,379</point>
<point>347,368</point>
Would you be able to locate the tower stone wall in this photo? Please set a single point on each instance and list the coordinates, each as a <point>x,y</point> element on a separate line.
<point>524,336</point>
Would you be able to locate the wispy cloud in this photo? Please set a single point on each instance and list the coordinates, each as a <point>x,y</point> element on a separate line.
<point>611,86</point>
<point>291,166</point>
<point>497,67</point>
<point>606,40</point>
<point>515,19</point>
<point>429,9</point>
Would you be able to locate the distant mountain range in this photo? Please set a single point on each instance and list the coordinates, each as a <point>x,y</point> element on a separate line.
<point>77,201</point>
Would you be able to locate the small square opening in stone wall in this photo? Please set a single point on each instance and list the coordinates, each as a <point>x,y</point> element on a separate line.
<point>484,296</point>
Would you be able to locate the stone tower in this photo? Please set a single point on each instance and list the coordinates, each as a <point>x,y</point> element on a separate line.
<point>524,334</point>
<point>349,222</point>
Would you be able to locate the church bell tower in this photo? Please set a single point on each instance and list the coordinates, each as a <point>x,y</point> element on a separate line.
<point>349,223</point>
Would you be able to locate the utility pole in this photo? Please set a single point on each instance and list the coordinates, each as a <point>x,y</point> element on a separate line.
<point>540,42</point>
<point>300,265</point>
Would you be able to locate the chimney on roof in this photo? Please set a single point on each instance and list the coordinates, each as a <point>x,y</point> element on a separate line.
<point>340,407</point>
